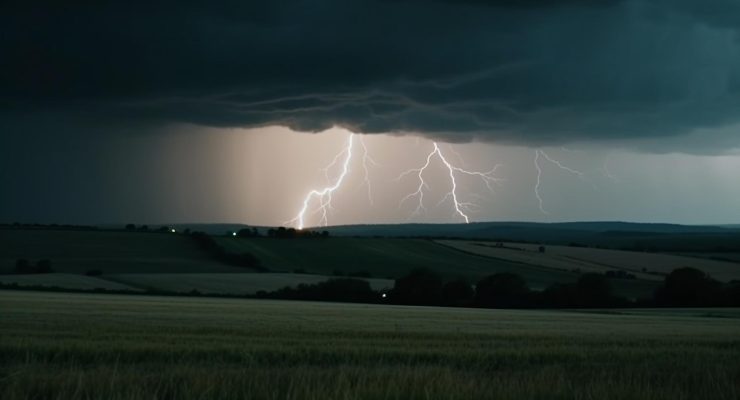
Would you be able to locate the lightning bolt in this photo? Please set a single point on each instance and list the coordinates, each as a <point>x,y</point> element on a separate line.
<point>607,171</point>
<point>461,208</point>
<point>324,195</point>
<point>541,153</point>
<point>367,160</point>
<point>539,180</point>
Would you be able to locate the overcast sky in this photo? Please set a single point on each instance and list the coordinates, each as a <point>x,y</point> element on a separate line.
<point>188,112</point>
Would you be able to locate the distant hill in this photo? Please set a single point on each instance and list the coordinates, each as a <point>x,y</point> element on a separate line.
<point>618,235</point>
<point>483,229</point>
<point>488,229</point>
<point>637,236</point>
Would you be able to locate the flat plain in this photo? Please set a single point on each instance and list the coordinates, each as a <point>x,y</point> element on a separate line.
<point>81,346</point>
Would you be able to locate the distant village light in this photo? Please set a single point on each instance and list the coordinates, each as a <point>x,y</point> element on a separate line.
<point>173,230</point>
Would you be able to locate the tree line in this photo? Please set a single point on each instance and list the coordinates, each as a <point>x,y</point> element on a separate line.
<point>684,287</point>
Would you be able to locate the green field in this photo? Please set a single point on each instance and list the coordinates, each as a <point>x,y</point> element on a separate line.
<point>85,346</point>
<point>107,251</point>
<point>66,281</point>
<point>383,258</point>
<point>174,262</point>
<point>232,284</point>
<point>393,258</point>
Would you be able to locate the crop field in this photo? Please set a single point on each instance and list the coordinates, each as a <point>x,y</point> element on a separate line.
<point>233,284</point>
<point>82,346</point>
<point>598,260</point>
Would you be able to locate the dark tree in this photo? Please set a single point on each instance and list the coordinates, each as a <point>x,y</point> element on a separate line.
<point>732,294</point>
<point>559,295</point>
<point>338,289</point>
<point>130,227</point>
<point>43,267</point>
<point>22,266</point>
<point>594,290</point>
<point>686,287</point>
<point>419,287</point>
<point>245,232</point>
<point>503,290</point>
<point>457,293</point>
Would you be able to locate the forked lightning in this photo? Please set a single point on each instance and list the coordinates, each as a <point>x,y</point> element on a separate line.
<point>489,178</point>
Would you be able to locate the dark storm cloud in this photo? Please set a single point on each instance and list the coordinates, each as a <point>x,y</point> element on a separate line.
<point>529,72</point>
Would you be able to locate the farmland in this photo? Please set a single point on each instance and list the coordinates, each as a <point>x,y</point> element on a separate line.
<point>77,346</point>
<point>174,262</point>
<point>649,266</point>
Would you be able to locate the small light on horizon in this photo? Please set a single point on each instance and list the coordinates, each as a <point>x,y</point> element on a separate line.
<point>233,233</point>
<point>173,230</point>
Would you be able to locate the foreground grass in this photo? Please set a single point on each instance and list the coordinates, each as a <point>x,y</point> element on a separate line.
<point>80,346</point>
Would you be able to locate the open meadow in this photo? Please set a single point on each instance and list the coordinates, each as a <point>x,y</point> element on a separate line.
<point>82,346</point>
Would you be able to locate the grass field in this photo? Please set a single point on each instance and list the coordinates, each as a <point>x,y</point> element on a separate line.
<point>383,258</point>
<point>599,260</point>
<point>108,251</point>
<point>67,281</point>
<point>85,346</point>
<point>233,284</point>
<point>174,260</point>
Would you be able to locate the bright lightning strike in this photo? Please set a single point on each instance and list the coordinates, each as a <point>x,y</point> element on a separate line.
<point>540,153</point>
<point>461,208</point>
<point>324,195</point>
<point>366,161</point>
